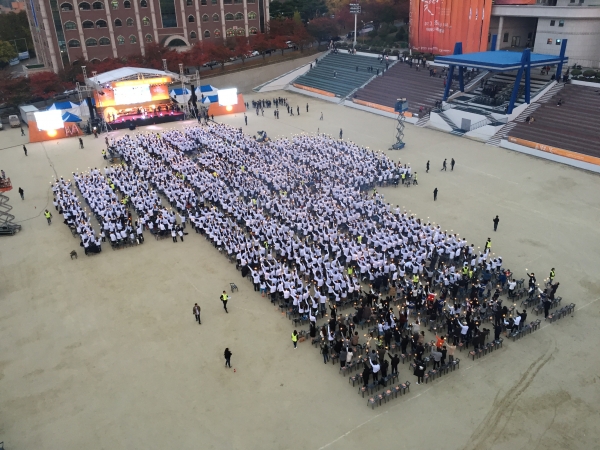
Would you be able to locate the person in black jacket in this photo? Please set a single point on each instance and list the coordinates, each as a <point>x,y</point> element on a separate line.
<point>395,361</point>
<point>227,355</point>
<point>419,370</point>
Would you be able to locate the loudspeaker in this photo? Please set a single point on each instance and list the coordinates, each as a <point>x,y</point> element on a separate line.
<point>131,124</point>
<point>88,100</point>
<point>193,97</point>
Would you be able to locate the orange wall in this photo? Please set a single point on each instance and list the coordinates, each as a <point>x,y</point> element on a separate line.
<point>36,135</point>
<point>217,110</point>
<point>436,25</point>
<point>555,150</point>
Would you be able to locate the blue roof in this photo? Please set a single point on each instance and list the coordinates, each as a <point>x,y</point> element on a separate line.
<point>69,117</point>
<point>179,91</point>
<point>207,88</point>
<point>499,60</point>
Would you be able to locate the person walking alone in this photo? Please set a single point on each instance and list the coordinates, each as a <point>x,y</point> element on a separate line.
<point>427,171</point>
<point>295,339</point>
<point>25,150</point>
<point>496,220</point>
<point>435,191</point>
<point>80,143</point>
<point>48,216</point>
<point>246,119</point>
<point>307,107</point>
<point>341,133</point>
<point>444,166</point>
<point>22,193</point>
<point>321,118</point>
<point>452,164</point>
<point>196,312</point>
<point>224,298</point>
<point>227,355</point>
<point>22,132</point>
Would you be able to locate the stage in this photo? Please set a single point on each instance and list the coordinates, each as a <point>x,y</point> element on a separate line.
<point>143,120</point>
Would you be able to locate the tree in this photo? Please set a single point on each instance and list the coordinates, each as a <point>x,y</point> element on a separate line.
<point>242,47</point>
<point>279,43</point>
<point>7,51</point>
<point>46,84</point>
<point>200,53</point>
<point>15,27</point>
<point>281,27</point>
<point>301,37</point>
<point>261,43</point>
<point>322,28</point>
<point>14,90</point>
<point>220,53</point>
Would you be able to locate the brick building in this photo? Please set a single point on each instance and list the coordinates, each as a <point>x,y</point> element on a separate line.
<point>66,30</point>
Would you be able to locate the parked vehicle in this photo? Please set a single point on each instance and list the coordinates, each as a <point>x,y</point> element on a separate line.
<point>290,44</point>
<point>14,61</point>
<point>210,64</point>
<point>14,121</point>
<point>23,55</point>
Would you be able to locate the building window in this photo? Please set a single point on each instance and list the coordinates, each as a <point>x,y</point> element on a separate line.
<point>91,42</point>
<point>203,2</point>
<point>132,39</point>
<point>552,22</point>
<point>253,30</point>
<point>94,61</point>
<point>215,17</point>
<point>127,4</point>
<point>129,22</point>
<point>120,40</point>
<point>558,41</point>
<point>549,41</point>
<point>73,43</point>
<point>97,5</point>
<point>205,18</point>
<point>228,2</point>
<point>213,2</point>
<point>148,38</point>
<point>168,14</point>
<point>70,25</point>
<point>144,4</point>
<point>230,32</point>
<point>228,16</point>
<point>146,21</point>
<point>241,32</point>
<point>65,7</point>
<point>505,37</point>
<point>207,34</point>
<point>104,41</point>
<point>114,4</point>
<point>239,16</point>
<point>189,2</point>
<point>251,15</point>
<point>118,23</point>
<point>250,1</point>
<point>84,6</point>
<point>217,33</point>
<point>101,23</point>
<point>193,35</point>
<point>238,1</point>
<point>561,23</point>
<point>87,24</point>
<point>191,19</point>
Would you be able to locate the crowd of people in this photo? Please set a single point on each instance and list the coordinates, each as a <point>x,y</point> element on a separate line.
<point>304,221</point>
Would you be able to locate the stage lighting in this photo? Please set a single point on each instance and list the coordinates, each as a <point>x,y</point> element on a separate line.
<point>227,97</point>
<point>49,120</point>
<point>229,108</point>
<point>51,133</point>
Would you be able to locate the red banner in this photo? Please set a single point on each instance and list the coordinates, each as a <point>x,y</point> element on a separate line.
<point>436,25</point>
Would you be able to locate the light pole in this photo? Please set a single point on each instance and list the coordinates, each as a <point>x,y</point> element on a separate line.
<point>354,9</point>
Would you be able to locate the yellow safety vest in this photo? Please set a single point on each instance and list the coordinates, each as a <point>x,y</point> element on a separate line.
<point>294,337</point>
<point>488,244</point>
<point>224,297</point>
<point>350,270</point>
<point>47,214</point>
<point>552,274</point>
<point>415,279</point>
<point>359,239</point>
<point>465,270</point>
<point>470,274</point>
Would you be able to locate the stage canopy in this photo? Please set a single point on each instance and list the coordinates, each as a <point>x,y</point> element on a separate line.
<point>128,73</point>
<point>499,61</point>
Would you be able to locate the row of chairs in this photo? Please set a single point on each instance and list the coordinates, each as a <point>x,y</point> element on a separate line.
<point>388,394</point>
<point>560,313</point>
<point>539,308</point>
<point>486,348</point>
<point>525,329</point>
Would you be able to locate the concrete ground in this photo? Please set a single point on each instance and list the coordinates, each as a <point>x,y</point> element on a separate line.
<point>104,352</point>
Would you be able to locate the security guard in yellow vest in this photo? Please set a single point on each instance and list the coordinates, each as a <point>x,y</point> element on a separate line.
<point>359,239</point>
<point>224,297</point>
<point>350,271</point>
<point>488,244</point>
<point>416,279</point>
<point>403,177</point>
<point>465,270</point>
<point>552,275</point>
<point>295,338</point>
<point>48,217</point>
<point>104,153</point>
<point>470,274</point>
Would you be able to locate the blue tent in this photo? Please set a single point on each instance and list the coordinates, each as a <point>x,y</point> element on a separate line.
<point>211,99</point>
<point>63,105</point>
<point>69,117</point>
<point>179,91</point>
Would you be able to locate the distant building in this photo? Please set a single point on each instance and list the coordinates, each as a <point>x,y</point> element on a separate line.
<point>543,24</point>
<point>66,30</point>
<point>14,7</point>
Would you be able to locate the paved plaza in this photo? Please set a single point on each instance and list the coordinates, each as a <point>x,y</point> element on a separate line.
<point>103,352</point>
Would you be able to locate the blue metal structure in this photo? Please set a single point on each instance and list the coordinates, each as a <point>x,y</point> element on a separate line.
<point>501,61</point>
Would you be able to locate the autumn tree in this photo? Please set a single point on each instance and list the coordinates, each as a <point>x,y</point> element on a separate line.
<point>261,43</point>
<point>322,28</point>
<point>242,47</point>
<point>47,84</point>
<point>14,90</point>
<point>220,53</point>
<point>200,53</point>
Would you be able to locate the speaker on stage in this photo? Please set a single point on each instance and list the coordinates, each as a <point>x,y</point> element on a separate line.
<point>193,97</point>
<point>131,124</point>
<point>88,100</point>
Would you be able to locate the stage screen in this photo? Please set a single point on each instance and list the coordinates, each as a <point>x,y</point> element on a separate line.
<point>132,94</point>
<point>49,120</point>
<point>436,25</point>
<point>157,92</point>
<point>227,97</point>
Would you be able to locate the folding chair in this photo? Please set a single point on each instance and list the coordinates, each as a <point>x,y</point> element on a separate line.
<point>233,287</point>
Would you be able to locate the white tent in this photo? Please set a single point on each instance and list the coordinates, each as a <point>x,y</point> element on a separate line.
<point>180,95</point>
